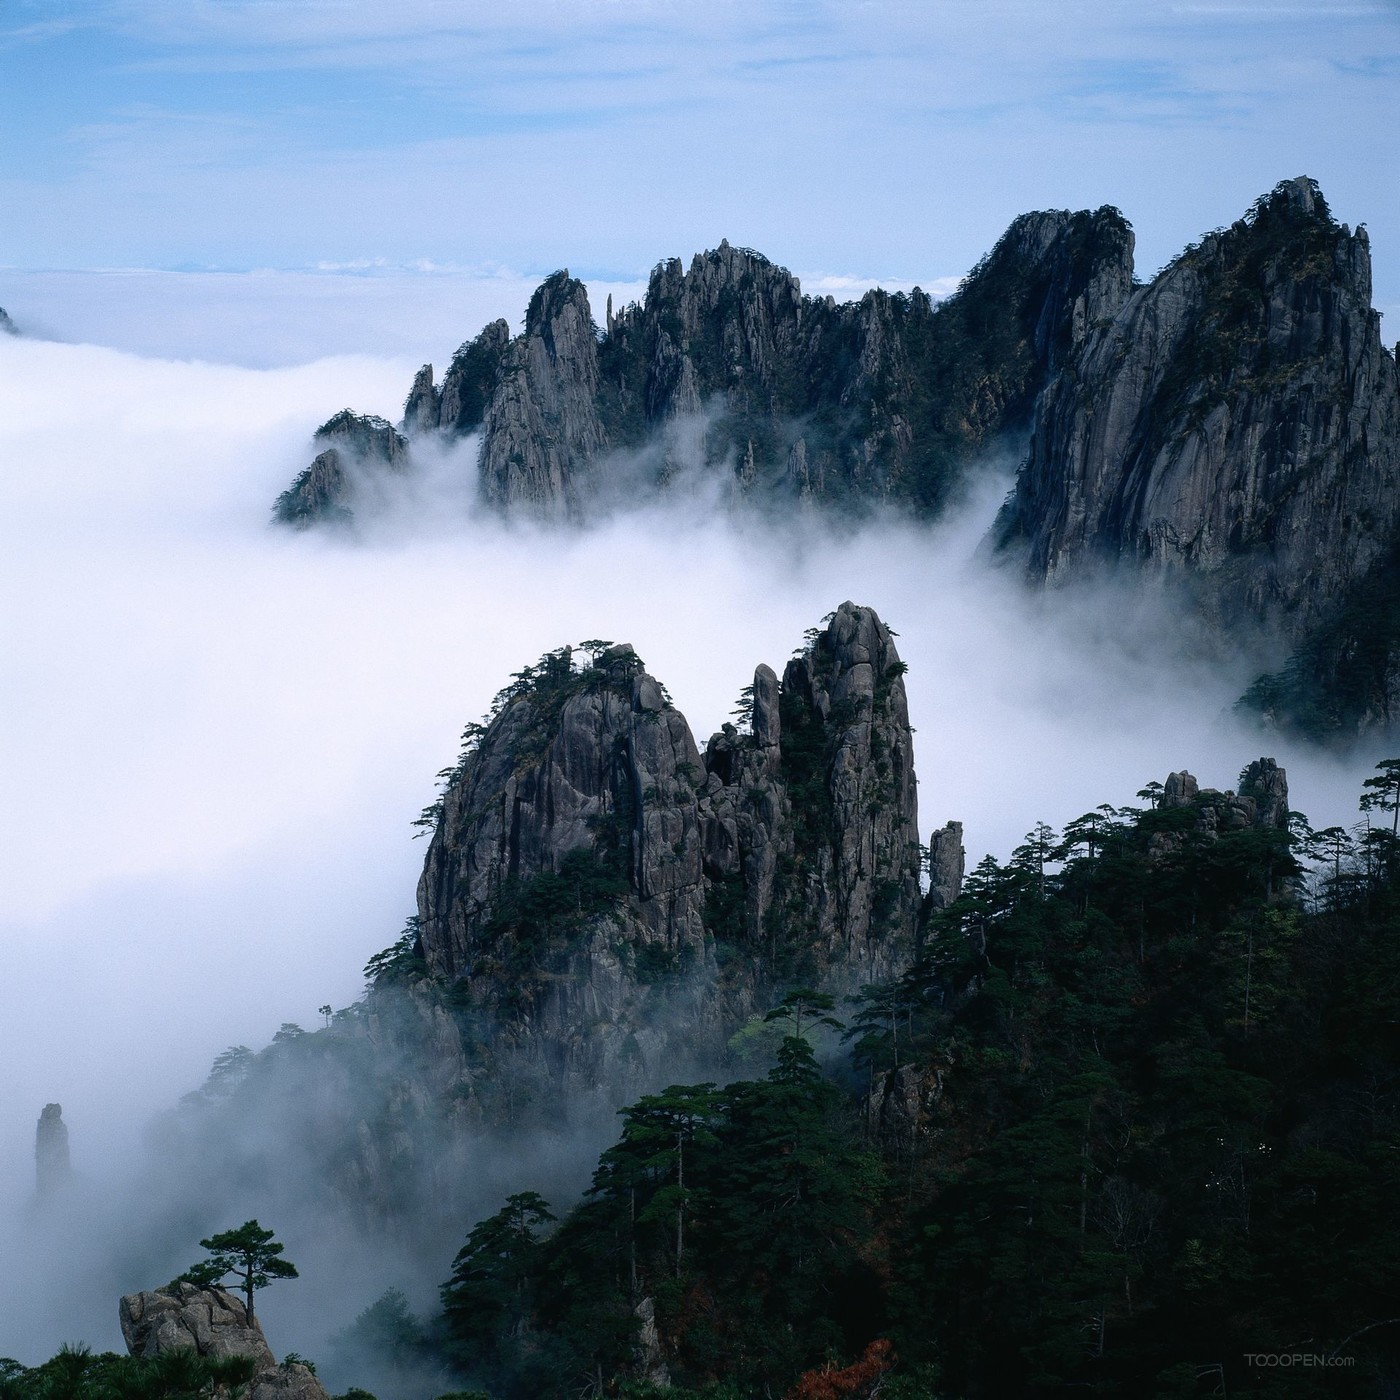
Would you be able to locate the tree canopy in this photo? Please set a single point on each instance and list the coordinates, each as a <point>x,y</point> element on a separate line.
<point>250,1253</point>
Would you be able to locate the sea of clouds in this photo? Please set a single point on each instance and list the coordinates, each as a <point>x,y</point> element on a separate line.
<point>215,734</point>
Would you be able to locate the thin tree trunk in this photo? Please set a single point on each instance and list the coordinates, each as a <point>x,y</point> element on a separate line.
<point>680,1201</point>
<point>1248,977</point>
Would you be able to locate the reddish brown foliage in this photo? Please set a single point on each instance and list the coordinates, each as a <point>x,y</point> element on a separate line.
<point>858,1381</point>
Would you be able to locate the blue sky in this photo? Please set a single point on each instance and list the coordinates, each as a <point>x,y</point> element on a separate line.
<point>871,137</point>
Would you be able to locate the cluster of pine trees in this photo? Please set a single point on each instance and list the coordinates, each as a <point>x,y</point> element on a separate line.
<point>1129,1126</point>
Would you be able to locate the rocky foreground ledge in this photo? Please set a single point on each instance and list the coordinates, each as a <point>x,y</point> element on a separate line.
<point>212,1322</point>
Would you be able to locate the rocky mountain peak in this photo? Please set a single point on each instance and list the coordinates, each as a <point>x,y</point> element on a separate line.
<point>1234,427</point>
<point>1301,194</point>
<point>470,380</point>
<point>7,326</point>
<point>354,447</point>
<point>422,410</point>
<point>587,862</point>
<point>1262,799</point>
<point>558,309</point>
<point>52,1169</point>
<point>542,430</point>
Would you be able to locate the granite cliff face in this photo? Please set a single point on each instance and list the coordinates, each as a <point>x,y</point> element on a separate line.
<point>541,433</point>
<point>885,398</point>
<point>615,899</point>
<point>1235,427</point>
<point>812,818</point>
<point>325,492</point>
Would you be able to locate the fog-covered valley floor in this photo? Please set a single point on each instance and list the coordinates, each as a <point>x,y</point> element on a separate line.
<point>216,735</point>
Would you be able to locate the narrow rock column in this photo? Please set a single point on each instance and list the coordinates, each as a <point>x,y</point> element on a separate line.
<point>51,1165</point>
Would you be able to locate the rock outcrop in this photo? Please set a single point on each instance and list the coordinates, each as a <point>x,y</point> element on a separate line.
<point>7,326</point>
<point>459,406</point>
<point>947,863</point>
<point>356,446</point>
<point>212,1322</point>
<point>813,816</point>
<point>606,892</point>
<point>52,1169</point>
<point>208,1321</point>
<point>1234,427</point>
<point>1260,803</point>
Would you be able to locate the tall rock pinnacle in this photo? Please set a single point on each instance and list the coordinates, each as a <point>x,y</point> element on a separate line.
<point>52,1169</point>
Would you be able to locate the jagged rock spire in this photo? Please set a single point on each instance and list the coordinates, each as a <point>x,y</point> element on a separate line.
<point>587,861</point>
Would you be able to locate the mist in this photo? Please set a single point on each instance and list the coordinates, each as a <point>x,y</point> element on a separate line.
<point>217,734</point>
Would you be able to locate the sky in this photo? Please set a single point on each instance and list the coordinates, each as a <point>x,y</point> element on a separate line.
<point>882,140</point>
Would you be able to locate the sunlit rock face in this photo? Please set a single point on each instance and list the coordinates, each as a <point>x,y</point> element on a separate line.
<point>1235,426</point>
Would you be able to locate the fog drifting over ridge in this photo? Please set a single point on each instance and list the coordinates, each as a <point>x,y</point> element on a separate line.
<point>215,734</point>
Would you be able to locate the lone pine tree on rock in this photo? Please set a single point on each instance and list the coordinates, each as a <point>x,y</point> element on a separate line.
<point>250,1252</point>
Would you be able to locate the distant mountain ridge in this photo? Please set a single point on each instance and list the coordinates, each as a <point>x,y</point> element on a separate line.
<point>886,398</point>
<point>1231,428</point>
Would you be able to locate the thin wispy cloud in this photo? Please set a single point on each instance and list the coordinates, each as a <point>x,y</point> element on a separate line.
<point>886,136</point>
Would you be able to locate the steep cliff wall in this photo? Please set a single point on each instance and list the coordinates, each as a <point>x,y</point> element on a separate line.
<point>811,821</point>
<point>1235,427</point>
<point>885,398</point>
<point>605,892</point>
